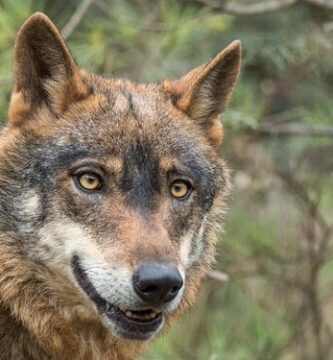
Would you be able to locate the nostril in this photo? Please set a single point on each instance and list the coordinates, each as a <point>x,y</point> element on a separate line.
<point>157,284</point>
<point>175,289</point>
<point>150,289</point>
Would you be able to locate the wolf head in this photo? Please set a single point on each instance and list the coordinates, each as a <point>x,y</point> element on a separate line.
<point>112,185</point>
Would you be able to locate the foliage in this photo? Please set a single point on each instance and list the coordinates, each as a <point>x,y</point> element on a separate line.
<point>277,305</point>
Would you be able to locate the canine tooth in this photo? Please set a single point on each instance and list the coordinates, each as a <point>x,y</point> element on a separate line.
<point>152,316</point>
<point>136,316</point>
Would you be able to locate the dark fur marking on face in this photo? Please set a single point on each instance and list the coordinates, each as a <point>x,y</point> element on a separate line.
<point>129,96</point>
<point>47,159</point>
<point>174,98</point>
<point>141,176</point>
<point>130,99</point>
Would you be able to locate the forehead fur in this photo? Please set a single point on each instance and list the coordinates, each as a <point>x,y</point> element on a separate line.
<point>116,111</point>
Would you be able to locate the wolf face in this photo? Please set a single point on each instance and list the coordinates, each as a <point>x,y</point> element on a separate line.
<point>112,186</point>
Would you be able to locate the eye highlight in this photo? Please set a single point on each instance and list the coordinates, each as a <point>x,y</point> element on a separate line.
<point>89,181</point>
<point>180,189</point>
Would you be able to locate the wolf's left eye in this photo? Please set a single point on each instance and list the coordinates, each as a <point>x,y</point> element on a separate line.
<point>180,189</point>
<point>89,181</point>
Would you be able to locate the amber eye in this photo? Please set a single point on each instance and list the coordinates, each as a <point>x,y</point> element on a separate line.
<point>180,189</point>
<point>89,181</point>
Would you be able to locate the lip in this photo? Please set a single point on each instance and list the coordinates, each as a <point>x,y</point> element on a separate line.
<point>134,324</point>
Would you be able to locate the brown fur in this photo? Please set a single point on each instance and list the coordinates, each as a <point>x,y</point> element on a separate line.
<point>42,314</point>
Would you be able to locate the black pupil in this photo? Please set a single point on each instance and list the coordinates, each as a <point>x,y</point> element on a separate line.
<point>91,179</point>
<point>178,187</point>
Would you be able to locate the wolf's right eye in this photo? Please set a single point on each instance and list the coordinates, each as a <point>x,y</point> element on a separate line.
<point>89,181</point>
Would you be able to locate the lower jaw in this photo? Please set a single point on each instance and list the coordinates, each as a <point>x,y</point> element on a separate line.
<point>132,329</point>
<point>114,318</point>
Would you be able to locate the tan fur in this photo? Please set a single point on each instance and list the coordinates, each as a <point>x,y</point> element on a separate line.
<point>42,314</point>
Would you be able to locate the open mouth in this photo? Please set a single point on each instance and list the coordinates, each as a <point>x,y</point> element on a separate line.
<point>136,324</point>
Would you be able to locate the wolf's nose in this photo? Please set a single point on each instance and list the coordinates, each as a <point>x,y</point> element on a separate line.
<point>157,284</point>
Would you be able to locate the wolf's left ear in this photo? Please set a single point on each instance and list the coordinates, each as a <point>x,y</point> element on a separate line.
<point>204,92</point>
<point>45,73</point>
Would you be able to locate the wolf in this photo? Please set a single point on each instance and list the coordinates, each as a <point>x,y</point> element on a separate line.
<point>110,196</point>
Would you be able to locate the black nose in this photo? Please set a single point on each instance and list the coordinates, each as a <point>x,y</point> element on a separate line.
<point>157,284</point>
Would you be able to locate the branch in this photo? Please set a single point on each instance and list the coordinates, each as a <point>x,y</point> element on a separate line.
<point>76,18</point>
<point>295,129</point>
<point>248,9</point>
<point>325,4</point>
<point>236,8</point>
<point>218,276</point>
<point>6,80</point>
<point>300,194</point>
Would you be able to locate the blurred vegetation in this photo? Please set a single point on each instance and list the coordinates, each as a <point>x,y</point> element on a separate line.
<point>277,248</point>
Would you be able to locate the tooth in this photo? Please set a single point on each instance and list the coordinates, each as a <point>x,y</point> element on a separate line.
<point>139,316</point>
<point>128,313</point>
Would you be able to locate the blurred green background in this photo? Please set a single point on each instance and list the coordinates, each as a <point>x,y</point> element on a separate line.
<point>277,249</point>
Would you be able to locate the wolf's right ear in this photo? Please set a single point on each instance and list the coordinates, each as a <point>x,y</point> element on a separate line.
<point>45,73</point>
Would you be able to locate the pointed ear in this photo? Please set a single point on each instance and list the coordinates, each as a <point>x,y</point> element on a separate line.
<point>44,71</point>
<point>204,92</point>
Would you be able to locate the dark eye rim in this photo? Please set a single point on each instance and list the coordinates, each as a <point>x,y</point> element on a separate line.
<point>77,175</point>
<point>189,189</point>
